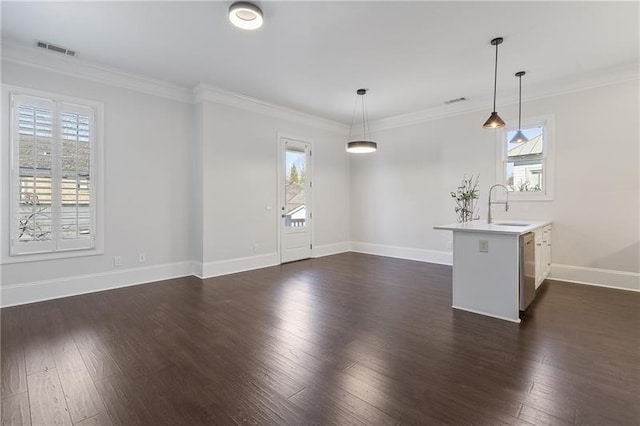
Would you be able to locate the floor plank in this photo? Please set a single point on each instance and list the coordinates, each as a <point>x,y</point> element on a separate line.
<point>46,399</point>
<point>12,359</point>
<point>80,393</point>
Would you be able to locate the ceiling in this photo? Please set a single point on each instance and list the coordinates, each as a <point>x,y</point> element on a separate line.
<point>312,56</point>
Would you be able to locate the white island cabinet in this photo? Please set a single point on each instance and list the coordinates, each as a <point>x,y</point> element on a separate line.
<point>486,264</point>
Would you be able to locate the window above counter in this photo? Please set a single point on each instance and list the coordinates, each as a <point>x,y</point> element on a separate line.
<point>526,168</point>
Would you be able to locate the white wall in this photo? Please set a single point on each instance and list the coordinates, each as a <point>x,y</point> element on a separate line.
<point>401,192</point>
<point>239,153</point>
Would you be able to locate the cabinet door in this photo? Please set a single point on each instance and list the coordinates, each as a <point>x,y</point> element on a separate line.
<point>539,256</point>
<point>546,248</point>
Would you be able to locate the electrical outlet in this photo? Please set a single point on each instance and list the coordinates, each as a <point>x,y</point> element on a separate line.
<point>142,258</point>
<point>484,246</point>
<point>117,261</point>
<point>449,245</point>
<point>256,248</point>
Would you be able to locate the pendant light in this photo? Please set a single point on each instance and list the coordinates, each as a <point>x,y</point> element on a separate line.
<point>365,145</point>
<point>494,120</point>
<point>519,137</point>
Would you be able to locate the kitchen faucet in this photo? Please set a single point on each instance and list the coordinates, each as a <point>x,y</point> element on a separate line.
<point>505,202</point>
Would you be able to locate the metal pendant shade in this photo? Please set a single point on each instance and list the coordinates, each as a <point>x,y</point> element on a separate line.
<point>519,137</point>
<point>361,147</point>
<point>494,120</point>
<point>365,145</point>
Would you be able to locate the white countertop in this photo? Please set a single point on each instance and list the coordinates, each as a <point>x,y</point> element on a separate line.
<point>498,226</point>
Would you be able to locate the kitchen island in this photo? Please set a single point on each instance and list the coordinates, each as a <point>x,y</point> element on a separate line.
<point>486,264</point>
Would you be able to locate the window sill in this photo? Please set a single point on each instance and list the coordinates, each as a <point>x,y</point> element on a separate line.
<point>516,197</point>
<point>37,257</point>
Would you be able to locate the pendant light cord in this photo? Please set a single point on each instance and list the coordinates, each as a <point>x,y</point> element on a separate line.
<point>364,129</point>
<point>365,120</point>
<point>495,79</point>
<point>520,102</point>
<point>353,117</point>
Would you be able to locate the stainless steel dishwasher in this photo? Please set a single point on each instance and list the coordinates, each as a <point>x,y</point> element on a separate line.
<point>527,270</point>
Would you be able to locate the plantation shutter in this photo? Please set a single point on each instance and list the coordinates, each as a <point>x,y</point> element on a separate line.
<point>52,193</point>
<point>76,207</point>
<point>32,202</point>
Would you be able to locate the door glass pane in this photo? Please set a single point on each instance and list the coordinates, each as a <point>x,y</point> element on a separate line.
<point>295,185</point>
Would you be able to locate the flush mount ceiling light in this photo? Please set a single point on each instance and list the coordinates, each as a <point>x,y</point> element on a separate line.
<point>494,120</point>
<point>365,145</point>
<point>519,137</point>
<point>245,15</point>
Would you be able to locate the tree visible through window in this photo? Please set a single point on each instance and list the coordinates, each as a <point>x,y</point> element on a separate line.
<point>295,189</point>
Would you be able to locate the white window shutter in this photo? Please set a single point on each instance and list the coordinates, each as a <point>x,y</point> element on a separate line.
<point>53,195</point>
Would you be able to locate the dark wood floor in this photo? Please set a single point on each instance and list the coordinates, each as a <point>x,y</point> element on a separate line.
<point>345,339</point>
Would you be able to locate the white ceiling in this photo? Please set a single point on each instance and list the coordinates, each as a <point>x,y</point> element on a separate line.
<point>312,56</point>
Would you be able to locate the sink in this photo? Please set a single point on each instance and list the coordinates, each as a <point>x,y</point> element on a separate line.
<point>510,224</point>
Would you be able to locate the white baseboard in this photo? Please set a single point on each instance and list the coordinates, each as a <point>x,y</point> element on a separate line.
<point>240,264</point>
<point>197,269</point>
<point>38,291</point>
<point>593,276</point>
<point>329,249</point>
<point>473,311</point>
<point>422,255</point>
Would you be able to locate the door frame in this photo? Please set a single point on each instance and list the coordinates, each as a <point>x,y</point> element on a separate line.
<point>280,177</point>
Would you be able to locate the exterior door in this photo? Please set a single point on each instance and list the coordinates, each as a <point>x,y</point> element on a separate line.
<point>295,200</point>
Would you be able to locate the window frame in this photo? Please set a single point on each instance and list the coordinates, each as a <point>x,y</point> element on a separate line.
<point>547,122</point>
<point>57,248</point>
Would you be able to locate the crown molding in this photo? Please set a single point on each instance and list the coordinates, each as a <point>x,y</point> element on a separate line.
<point>203,92</point>
<point>79,68</point>
<point>551,88</point>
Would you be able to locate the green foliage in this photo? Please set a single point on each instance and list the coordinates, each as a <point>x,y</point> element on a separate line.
<point>465,197</point>
<point>293,174</point>
<point>303,175</point>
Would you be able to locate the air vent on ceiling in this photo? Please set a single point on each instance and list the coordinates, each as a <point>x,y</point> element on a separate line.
<point>58,49</point>
<point>453,101</point>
